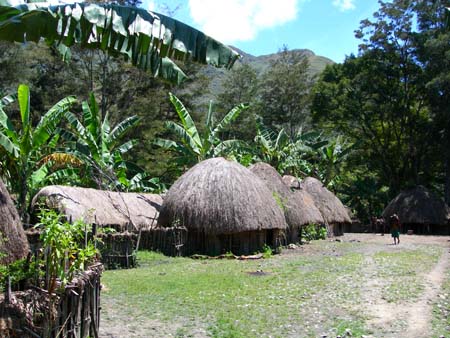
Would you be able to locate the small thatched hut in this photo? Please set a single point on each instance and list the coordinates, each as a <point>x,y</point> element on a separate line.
<point>421,211</point>
<point>225,207</point>
<point>298,207</point>
<point>122,211</point>
<point>333,211</point>
<point>13,242</point>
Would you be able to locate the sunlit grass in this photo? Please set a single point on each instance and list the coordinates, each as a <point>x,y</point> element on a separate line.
<point>284,296</point>
<point>441,310</point>
<point>401,270</point>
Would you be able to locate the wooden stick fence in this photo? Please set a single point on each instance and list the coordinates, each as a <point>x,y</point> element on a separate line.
<point>72,313</point>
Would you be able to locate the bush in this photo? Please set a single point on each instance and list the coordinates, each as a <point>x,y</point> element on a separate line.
<point>312,232</point>
<point>68,248</point>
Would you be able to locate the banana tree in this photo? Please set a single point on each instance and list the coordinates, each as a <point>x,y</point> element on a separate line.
<point>99,146</point>
<point>149,40</point>
<point>295,155</point>
<point>23,148</point>
<point>333,156</point>
<point>192,145</point>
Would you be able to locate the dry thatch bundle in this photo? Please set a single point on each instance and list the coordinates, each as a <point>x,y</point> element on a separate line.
<point>125,211</point>
<point>218,196</point>
<point>13,242</point>
<point>299,208</point>
<point>306,204</point>
<point>292,182</point>
<point>418,206</point>
<point>331,208</point>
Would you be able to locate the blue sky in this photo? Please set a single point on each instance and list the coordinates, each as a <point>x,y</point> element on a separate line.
<point>262,27</point>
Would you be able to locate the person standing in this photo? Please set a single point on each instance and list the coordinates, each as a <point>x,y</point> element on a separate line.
<point>395,228</point>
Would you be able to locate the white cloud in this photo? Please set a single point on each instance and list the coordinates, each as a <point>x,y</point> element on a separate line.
<point>344,5</point>
<point>241,20</point>
<point>151,5</point>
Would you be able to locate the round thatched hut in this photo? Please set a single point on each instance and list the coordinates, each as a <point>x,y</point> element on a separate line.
<point>420,210</point>
<point>122,211</point>
<point>13,242</point>
<point>298,207</point>
<point>225,207</point>
<point>333,211</point>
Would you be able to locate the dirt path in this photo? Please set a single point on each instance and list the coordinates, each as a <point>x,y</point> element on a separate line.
<point>419,316</point>
<point>404,319</point>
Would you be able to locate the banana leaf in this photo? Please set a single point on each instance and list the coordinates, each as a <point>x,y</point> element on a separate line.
<point>149,40</point>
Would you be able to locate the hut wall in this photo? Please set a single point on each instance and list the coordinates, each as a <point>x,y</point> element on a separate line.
<point>76,310</point>
<point>293,235</point>
<point>168,241</point>
<point>427,229</point>
<point>118,250</point>
<point>243,243</point>
<point>338,229</point>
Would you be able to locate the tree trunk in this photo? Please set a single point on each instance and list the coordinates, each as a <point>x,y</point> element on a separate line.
<point>447,168</point>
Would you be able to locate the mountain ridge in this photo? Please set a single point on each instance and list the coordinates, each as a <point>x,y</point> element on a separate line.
<point>261,63</point>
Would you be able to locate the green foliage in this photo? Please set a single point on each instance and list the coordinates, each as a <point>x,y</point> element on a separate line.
<point>280,201</point>
<point>240,85</point>
<point>136,37</point>
<point>100,147</point>
<point>23,145</point>
<point>304,154</point>
<point>267,251</point>
<point>284,92</point>
<point>192,145</point>
<point>19,272</point>
<point>313,232</point>
<point>67,248</point>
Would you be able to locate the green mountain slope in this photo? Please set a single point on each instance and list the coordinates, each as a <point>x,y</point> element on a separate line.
<point>260,64</point>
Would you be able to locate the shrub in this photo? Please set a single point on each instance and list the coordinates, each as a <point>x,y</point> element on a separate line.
<point>312,232</point>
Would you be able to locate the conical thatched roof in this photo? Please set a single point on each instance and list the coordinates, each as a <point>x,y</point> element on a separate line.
<point>13,242</point>
<point>291,181</point>
<point>131,211</point>
<point>305,202</point>
<point>331,208</point>
<point>221,197</point>
<point>299,208</point>
<point>418,205</point>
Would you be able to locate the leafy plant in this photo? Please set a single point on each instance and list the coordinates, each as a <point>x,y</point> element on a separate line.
<point>19,272</point>
<point>23,147</point>
<point>100,147</point>
<point>193,146</point>
<point>312,232</point>
<point>149,40</point>
<point>67,247</point>
<point>267,251</point>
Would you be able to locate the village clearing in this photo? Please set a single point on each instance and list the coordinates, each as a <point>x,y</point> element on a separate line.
<point>358,285</point>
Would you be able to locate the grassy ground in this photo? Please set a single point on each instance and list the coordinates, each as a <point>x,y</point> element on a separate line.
<point>316,290</point>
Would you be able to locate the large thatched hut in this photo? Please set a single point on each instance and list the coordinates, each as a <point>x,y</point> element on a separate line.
<point>122,211</point>
<point>225,207</point>
<point>13,242</point>
<point>298,207</point>
<point>333,211</point>
<point>420,210</point>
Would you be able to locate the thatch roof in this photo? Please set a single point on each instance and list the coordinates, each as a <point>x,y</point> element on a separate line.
<point>13,242</point>
<point>291,181</point>
<point>418,205</point>
<point>331,208</point>
<point>131,211</point>
<point>221,197</point>
<point>299,207</point>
